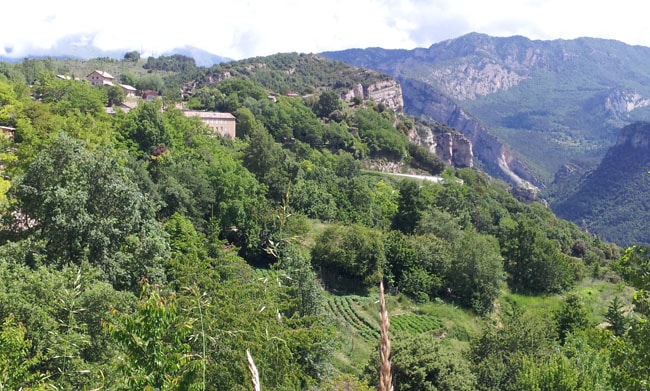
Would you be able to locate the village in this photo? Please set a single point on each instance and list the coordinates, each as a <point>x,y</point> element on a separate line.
<point>223,124</point>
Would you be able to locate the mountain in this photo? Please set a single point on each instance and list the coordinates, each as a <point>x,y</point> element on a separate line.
<point>80,46</point>
<point>528,106</point>
<point>612,200</point>
<point>201,57</point>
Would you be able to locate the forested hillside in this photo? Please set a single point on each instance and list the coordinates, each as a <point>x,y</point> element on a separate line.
<point>140,251</point>
<point>611,200</point>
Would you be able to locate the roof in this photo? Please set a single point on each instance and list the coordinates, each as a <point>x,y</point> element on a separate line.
<point>103,74</point>
<point>128,87</point>
<point>208,114</point>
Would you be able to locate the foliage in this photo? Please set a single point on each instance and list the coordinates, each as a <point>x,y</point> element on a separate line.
<point>426,363</point>
<point>476,273</point>
<point>84,207</point>
<point>534,262</point>
<point>349,257</point>
<point>572,317</point>
<point>499,353</point>
<point>155,338</point>
<point>173,63</point>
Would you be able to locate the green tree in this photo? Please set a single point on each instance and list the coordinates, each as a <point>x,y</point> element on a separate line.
<point>572,316</point>
<point>15,362</point>
<point>84,206</point>
<point>616,318</point>
<point>349,257</point>
<point>534,262</point>
<point>328,102</point>
<point>476,274</point>
<point>426,363</point>
<point>499,352</point>
<point>129,79</point>
<point>132,56</point>
<point>147,127</point>
<point>156,341</point>
<point>150,82</point>
<point>115,95</point>
<point>410,204</point>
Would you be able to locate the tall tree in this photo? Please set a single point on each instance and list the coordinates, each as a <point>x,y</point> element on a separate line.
<point>84,206</point>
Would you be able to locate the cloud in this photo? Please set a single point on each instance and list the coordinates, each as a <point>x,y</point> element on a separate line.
<point>246,28</point>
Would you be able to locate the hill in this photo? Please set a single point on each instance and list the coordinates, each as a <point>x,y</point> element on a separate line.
<point>140,250</point>
<point>546,101</point>
<point>611,201</point>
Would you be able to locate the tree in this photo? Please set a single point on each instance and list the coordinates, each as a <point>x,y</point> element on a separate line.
<point>499,352</point>
<point>156,341</point>
<point>148,128</point>
<point>85,207</point>
<point>616,318</point>
<point>476,272</point>
<point>534,262</point>
<point>328,102</point>
<point>426,363</point>
<point>572,317</point>
<point>115,95</point>
<point>129,79</point>
<point>132,56</point>
<point>349,257</point>
<point>410,205</point>
<point>150,82</point>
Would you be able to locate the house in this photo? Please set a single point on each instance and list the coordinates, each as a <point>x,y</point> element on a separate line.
<point>150,95</point>
<point>128,90</point>
<point>125,106</point>
<point>100,78</point>
<point>8,131</point>
<point>223,123</point>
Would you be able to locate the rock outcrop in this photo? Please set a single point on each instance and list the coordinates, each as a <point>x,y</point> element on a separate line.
<point>621,103</point>
<point>388,92</point>
<point>452,147</point>
<point>494,156</point>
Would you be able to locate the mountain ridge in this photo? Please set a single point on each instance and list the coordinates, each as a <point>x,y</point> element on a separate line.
<point>611,200</point>
<point>545,101</point>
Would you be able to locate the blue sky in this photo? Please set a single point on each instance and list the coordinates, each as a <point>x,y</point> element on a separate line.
<point>246,28</point>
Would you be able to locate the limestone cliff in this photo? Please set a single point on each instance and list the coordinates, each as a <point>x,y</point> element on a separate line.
<point>387,92</point>
<point>496,159</point>
<point>450,146</point>
<point>621,103</point>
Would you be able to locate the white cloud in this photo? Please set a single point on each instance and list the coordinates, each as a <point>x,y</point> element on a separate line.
<point>246,28</point>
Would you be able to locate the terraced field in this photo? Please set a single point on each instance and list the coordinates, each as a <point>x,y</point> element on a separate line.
<point>348,312</point>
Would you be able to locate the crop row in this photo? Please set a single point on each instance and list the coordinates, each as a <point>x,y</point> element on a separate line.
<point>349,318</point>
<point>414,323</point>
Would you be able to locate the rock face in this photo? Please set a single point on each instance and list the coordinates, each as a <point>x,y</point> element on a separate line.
<point>388,92</point>
<point>550,101</point>
<point>621,103</point>
<point>495,157</point>
<point>453,148</point>
<point>467,81</point>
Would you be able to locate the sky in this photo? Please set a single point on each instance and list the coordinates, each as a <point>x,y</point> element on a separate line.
<point>240,29</point>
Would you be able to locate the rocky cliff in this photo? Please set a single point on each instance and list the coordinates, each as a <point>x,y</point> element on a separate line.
<point>494,156</point>
<point>452,147</point>
<point>388,92</point>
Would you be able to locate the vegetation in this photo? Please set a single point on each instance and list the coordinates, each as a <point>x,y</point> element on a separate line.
<point>138,251</point>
